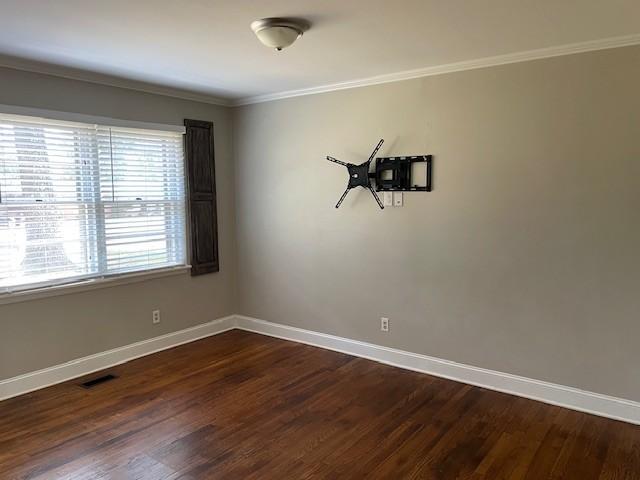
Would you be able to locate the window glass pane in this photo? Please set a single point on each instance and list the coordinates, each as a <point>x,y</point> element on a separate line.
<point>143,235</point>
<point>79,201</point>
<point>144,205</point>
<point>47,218</point>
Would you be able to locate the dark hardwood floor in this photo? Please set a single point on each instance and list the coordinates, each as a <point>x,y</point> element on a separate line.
<point>245,406</point>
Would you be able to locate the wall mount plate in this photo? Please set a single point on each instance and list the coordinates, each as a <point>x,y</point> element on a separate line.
<point>391,174</point>
<point>395,174</point>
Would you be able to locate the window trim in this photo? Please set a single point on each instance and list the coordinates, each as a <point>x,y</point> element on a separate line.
<point>78,286</point>
<point>90,119</point>
<point>72,285</point>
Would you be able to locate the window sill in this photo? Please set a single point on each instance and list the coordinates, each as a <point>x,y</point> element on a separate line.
<point>86,285</point>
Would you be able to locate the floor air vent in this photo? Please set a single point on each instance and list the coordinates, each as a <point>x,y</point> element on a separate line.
<point>97,381</point>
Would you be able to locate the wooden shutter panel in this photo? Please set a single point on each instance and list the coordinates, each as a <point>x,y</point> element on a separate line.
<point>202,197</point>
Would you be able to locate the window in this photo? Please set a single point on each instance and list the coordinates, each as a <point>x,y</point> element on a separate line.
<point>80,201</point>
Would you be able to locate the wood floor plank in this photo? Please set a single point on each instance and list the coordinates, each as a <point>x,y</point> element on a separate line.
<point>246,406</point>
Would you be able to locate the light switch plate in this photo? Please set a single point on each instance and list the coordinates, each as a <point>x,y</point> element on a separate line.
<point>387,199</point>
<point>397,199</point>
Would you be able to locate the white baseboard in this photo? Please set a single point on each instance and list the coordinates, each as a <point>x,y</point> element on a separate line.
<point>568,397</point>
<point>29,382</point>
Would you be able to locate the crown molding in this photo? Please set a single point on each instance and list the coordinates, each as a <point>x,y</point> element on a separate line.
<point>33,66</point>
<point>113,81</point>
<point>569,49</point>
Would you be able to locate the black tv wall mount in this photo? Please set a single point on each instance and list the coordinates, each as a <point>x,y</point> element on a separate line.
<point>391,174</point>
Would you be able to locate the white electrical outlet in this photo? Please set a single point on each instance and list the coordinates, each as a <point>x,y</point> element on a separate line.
<point>156,316</point>
<point>387,199</point>
<point>397,199</point>
<point>384,324</point>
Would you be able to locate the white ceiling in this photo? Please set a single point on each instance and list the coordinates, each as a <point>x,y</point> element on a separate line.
<point>207,48</point>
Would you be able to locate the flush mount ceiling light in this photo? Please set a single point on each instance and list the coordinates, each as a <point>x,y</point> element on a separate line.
<point>279,33</point>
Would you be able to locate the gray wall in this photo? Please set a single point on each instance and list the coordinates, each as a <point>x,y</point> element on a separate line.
<point>522,260</point>
<point>45,332</point>
<point>525,257</point>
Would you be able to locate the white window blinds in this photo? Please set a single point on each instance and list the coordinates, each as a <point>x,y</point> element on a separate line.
<point>82,201</point>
